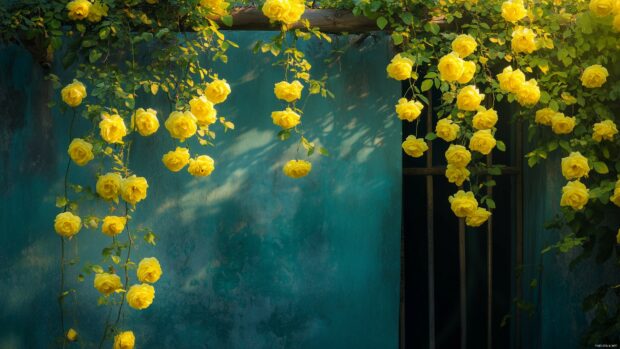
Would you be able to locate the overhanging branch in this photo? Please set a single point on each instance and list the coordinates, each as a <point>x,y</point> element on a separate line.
<point>327,20</point>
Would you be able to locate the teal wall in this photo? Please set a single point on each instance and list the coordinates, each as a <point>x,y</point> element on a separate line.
<point>251,258</point>
<point>558,320</point>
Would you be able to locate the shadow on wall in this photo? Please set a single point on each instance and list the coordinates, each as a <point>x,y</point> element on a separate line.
<point>251,258</point>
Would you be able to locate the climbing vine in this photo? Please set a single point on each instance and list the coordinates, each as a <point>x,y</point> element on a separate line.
<point>556,61</point>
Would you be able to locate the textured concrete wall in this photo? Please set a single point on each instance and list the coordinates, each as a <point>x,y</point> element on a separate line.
<point>251,258</point>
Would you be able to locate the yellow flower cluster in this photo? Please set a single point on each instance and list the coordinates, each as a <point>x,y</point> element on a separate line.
<point>132,189</point>
<point>107,283</point>
<point>124,340</point>
<point>145,121</point>
<point>285,11</point>
<point>67,224</point>
<point>400,68</point>
<point>112,128</point>
<point>604,130</point>
<point>286,118</point>
<point>447,129</point>
<point>288,91</point>
<point>527,92</point>
<point>80,151</point>
<point>414,147</point>
<point>408,110</point>
<point>465,205</point>
<point>113,225</point>
<point>297,168</point>
<point>73,94</point>
<point>452,67</point>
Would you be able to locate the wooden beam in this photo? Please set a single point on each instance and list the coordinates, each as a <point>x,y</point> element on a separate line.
<point>327,20</point>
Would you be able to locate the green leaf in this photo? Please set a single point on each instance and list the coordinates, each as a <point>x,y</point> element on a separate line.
<point>501,146</point>
<point>323,151</point>
<point>228,20</point>
<point>426,85</point>
<point>381,22</point>
<point>397,38</point>
<point>94,56</point>
<point>430,136</point>
<point>600,167</point>
<point>61,201</point>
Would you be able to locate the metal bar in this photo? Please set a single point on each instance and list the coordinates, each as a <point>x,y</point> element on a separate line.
<point>519,225</point>
<point>489,267</point>
<point>430,235</point>
<point>441,170</point>
<point>463,283</point>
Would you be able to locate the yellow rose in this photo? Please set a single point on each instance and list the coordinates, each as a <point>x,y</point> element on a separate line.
<point>561,124</point>
<point>463,203</point>
<point>72,335</point>
<point>529,93</point>
<point>73,94</point>
<point>601,8</point>
<point>97,11</point>
<point>408,110</point>
<point>124,340</point>
<point>288,91</point>
<point>456,175</point>
<point>615,198</point>
<point>469,69</point>
<point>181,125</point>
<point>140,296</point>
<point>464,45</point>
<point>616,23</point>
<point>575,194</point>
<point>296,11</point>
<point>67,224</point>
<point>482,141</point>
<point>109,185</point>
<point>575,166</point>
<point>485,119</point>
<point>286,118</point>
<point>201,166</point>
<point>523,40</point>
<point>107,283</point>
<point>145,121</point>
<point>297,168</point>
<point>216,8</point>
<point>414,147</point>
<point>478,217</point>
<point>400,68</point>
<point>451,67</point>
<point>204,111</point>
<point>286,11</point>
<point>177,159</point>
<point>594,76</point>
<point>112,128</point>
<point>447,130</point>
<point>458,155</point>
<point>149,270</point>
<point>544,116</point>
<point>513,11</point>
<point>469,98</point>
<point>80,151</point>
<point>133,189</point>
<point>78,9</point>
<point>217,91</point>
<point>113,225</point>
<point>604,130</point>
<point>511,81</point>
